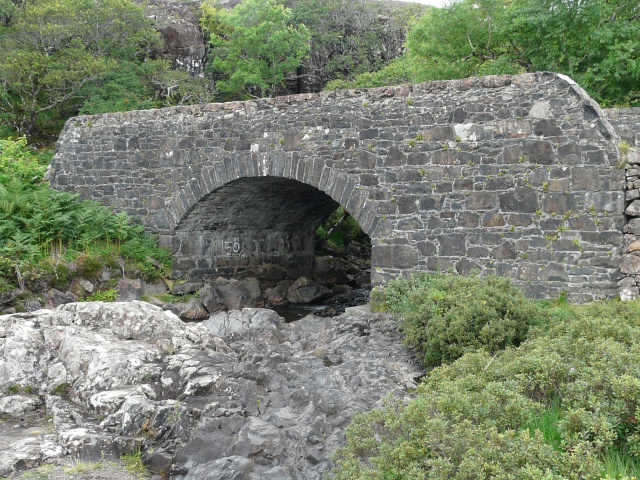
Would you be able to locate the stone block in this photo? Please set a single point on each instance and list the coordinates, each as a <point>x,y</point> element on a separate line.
<point>395,157</point>
<point>465,266</point>
<point>633,210</point>
<point>452,245</point>
<point>394,256</point>
<point>558,203</point>
<point>547,128</point>
<point>513,128</point>
<point>439,134</point>
<point>554,272</point>
<point>520,200</point>
<point>540,152</point>
<point>610,202</point>
<point>504,252</point>
<point>634,226</point>
<point>630,264</point>
<point>584,178</point>
<point>481,201</point>
<point>468,219</point>
<point>444,157</point>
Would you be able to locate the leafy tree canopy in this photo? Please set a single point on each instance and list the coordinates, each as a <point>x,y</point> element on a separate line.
<point>350,37</point>
<point>54,49</point>
<point>596,42</point>
<point>254,46</point>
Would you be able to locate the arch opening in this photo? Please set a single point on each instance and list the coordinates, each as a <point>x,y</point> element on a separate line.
<point>263,227</point>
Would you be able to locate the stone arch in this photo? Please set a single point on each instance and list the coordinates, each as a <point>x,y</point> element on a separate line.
<point>340,186</point>
<point>258,218</point>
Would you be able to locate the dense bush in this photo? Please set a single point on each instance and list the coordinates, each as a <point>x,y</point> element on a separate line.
<point>562,405</point>
<point>20,163</point>
<point>444,316</point>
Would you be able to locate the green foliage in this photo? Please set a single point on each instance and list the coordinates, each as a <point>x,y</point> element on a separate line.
<point>62,390</point>
<point>254,46</point>
<point>17,161</point>
<point>562,405</point>
<point>127,86</point>
<point>350,38</point>
<point>133,462</point>
<point>344,233</point>
<point>42,230</point>
<point>484,37</point>
<point>445,316</point>
<point>108,295</point>
<point>53,50</point>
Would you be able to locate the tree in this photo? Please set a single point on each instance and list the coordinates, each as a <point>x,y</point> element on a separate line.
<point>54,49</point>
<point>253,47</point>
<point>597,42</point>
<point>350,37</point>
<point>467,38</point>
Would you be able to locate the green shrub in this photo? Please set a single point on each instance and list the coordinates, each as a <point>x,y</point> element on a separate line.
<point>19,162</point>
<point>444,316</point>
<point>561,405</point>
<point>344,232</point>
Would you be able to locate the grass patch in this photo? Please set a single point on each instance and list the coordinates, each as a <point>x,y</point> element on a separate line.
<point>133,463</point>
<point>108,295</point>
<point>546,422</point>
<point>83,467</point>
<point>619,464</point>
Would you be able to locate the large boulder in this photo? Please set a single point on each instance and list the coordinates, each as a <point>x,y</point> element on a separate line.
<point>193,310</point>
<point>330,271</point>
<point>304,290</point>
<point>277,296</point>
<point>55,298</point>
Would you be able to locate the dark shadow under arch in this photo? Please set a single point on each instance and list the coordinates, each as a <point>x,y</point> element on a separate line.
<point>261,227</point>
<point>260,203</point>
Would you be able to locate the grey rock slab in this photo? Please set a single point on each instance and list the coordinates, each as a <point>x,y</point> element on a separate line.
<point>237,321</point>
<point>228,468</point>
<point>304,290</point>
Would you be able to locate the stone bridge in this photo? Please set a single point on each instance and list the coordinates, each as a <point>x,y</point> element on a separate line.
<point>520,176</point>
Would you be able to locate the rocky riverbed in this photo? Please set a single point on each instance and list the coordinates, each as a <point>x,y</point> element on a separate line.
<point>241,395</point>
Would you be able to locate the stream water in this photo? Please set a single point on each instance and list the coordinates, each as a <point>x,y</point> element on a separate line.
<point>296,311</point>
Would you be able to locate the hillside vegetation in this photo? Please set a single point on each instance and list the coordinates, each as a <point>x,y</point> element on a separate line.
<point>596,42</point>
<point>64,57</point>
<point>519,390</point>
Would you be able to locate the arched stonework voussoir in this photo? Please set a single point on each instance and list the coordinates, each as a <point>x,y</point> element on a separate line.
<point>341,187</point>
